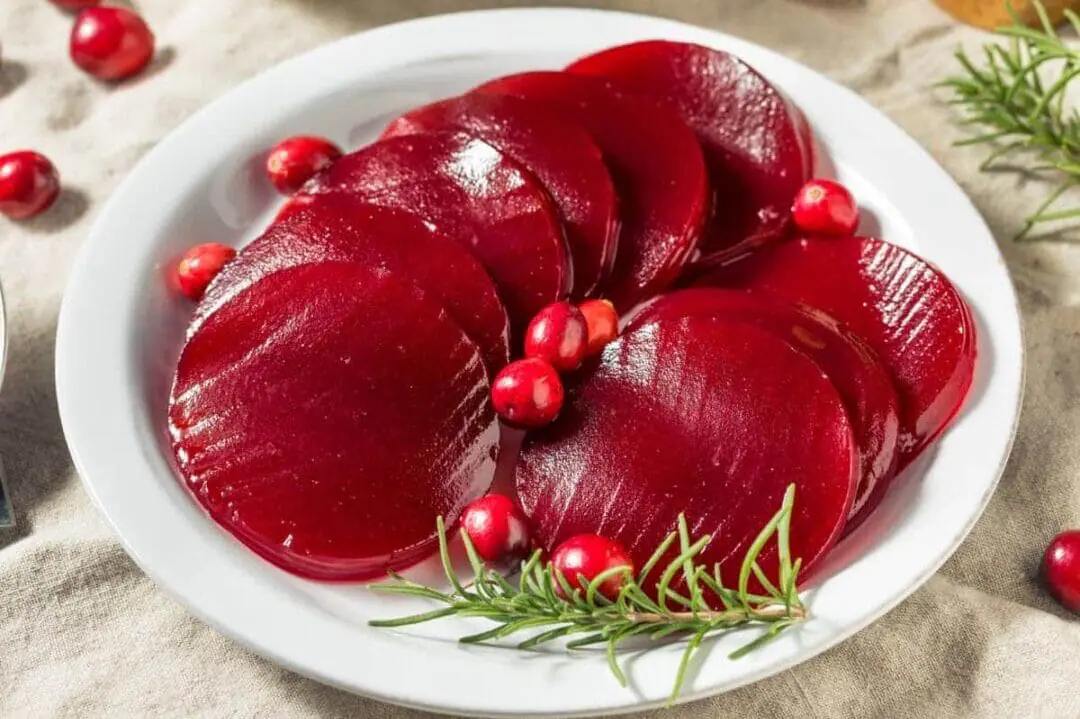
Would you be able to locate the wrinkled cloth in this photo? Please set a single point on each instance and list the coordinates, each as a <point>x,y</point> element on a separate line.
<point>84,633</point>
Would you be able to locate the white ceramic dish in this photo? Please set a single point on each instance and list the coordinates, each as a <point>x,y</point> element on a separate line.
<point>121,327</point>
<point>7,510</point>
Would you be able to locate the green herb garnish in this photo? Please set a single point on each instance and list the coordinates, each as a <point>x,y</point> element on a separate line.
<point>1014,98</point>
<point>533,603</point>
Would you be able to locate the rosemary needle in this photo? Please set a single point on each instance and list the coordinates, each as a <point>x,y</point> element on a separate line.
<point>535,603</point>
<point>1013,98</point>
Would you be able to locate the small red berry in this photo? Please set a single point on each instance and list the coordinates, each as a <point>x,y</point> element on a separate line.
<point>603,323</point>
<point>589,555</point>
<point>497,528</point>
<point>200,265</point>
<point>111,43</point>
<point>1061,569</point>
<point>558,334</point>
<point>73,5</point>
<point>824,207</point>
<point>29,184</point>
<point>296,160</point>
<point>527,393</point>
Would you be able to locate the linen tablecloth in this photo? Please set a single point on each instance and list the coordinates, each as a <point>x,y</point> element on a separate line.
<point>84,633</point>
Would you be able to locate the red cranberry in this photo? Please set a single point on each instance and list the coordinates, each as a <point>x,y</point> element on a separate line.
<point>558,334</point>
<point>527,393</point>
<point>29,184</point>
<point>603,323</point>
<point>589,555</point>
<point>296,160</point>
<point>1061,569</point>
<point>74,5</point>
<point>200,265</point>
<point>824,207</point>
<point>111,43</point>
<point>497,528</point>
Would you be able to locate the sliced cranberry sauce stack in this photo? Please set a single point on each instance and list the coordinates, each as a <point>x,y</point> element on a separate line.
<point>863,384</point>
<point>656,165</point>
<point>325,432</point>
<point>756,144</point>
<point>686,415</point>
<point>334,396</point>
<point>558,152</point>
<point>346,228</point>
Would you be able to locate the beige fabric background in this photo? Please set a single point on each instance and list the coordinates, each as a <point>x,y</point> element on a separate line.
<point>84,633</point>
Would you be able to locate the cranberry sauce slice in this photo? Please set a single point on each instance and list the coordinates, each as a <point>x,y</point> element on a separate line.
<point>344,228</point>
<point>753,145</point>
<point>657,167</point>
<point>864,385</point>
<point>475,194</point>
<point>326,416</point>
<point>686,415</point>
<point>906,310</point>
<point>558,152</point>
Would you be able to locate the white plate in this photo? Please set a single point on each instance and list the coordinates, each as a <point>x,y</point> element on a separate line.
<point>7,509</point>
<point>120,331</point>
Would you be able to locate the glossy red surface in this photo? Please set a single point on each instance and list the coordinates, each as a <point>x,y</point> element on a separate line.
<point>825,207</point>
<point>475,194</point>
<point>1061,569</point>
<point>905,309</point>
<point>295,160</point>
<point>863,383</point>
<point>111,43</point>
<point>327,415</point>
<point>497,528</point>
<point>200,265</point>
<point>29,184</point>
<point>557,151</point>
<point>292,205</point>
<point>559,335</point>
<point>586,557</point>
<point>753,145</point>
<point>344,228</point>
<point>603,324</point>
<point>657,167</point>
<point>687,415</point>
<point>527,393</point>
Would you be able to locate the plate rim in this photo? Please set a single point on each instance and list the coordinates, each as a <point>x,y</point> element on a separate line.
<point>67,372</point>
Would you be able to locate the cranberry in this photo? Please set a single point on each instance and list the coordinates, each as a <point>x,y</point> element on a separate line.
<point>111,43</point>
<point>589,555</point>
<point>527,393</point>
<point>29,184</point>
<point>603,322</point>
<point>824,207</point>
<point>200,265</point>
<point>296,160</point>
<point>1061,569</point>
<point>74,5</point>
<point>497,528</point>
<point>558,334</point>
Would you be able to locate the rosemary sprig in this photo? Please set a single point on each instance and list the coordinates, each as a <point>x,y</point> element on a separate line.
<point>1014,110</point>
<point>534,602</point>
